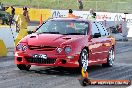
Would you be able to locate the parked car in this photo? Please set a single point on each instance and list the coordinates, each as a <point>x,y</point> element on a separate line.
<point>66,42</point>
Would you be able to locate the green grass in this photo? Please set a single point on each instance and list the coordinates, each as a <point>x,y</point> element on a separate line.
<point>97,5</point>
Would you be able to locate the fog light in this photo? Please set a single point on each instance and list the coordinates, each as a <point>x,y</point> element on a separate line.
<point>63,61</point>
<point>19,59</point>
<point>70,57</point>
<point>16,54</point>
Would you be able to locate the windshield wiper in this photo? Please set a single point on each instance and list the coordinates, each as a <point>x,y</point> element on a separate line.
<point>74,34</point>
<point>49,33</point>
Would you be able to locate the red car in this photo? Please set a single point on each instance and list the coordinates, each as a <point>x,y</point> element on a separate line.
<point>66,42</point>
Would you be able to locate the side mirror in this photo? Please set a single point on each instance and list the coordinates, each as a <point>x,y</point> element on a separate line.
<point>96,35</point>
<point>29,32</point>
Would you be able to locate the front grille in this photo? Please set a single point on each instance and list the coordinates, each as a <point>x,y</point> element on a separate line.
<point>41,61</point>
<point>42,48</point>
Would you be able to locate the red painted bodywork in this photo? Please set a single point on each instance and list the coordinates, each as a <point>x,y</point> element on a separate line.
<point>97,48</point>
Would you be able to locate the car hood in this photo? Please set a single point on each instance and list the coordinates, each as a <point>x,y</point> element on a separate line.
<point>51,39</point>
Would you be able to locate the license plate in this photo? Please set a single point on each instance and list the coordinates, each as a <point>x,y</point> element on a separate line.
<point>43,56</point>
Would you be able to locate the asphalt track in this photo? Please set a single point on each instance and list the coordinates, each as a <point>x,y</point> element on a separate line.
<point>55,77</point>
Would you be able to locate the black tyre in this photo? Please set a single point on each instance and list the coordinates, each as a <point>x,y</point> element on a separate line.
<point>23,67</point>
<point>83,61</point>
<point>110,59</point>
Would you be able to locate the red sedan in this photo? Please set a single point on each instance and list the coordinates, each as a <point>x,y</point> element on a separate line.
<point>66,42</point>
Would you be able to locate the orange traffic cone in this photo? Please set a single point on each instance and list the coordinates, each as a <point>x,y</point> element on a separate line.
<point>84,80</point>
<point>84,73</point>
<point>41,19</point>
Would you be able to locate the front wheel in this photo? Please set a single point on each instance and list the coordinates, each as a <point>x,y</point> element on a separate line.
<point>23,67</point>
<point>84,59</point>
<point>110,59</point>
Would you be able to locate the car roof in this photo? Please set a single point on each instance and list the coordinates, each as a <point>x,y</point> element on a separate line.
<point>68,19</point>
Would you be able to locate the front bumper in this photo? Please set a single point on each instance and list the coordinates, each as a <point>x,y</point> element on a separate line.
<point>52,59</point>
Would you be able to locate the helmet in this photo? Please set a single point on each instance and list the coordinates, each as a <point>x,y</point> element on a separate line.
<point>70,11</point>
<point>24,8</point>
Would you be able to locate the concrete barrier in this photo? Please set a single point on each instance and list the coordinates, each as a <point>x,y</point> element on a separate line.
<point>34,13</point>
<point>7,37</point>
<point>3,50</point>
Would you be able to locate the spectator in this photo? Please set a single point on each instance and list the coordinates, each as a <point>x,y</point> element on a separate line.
<point>22,22</point>
<point>70,14</point>
<point>119,28</point>
<point>12,14</point>
<point>2,7</point>
<point>92,14</point>
<point>25,13</point>
<point>80,4</point>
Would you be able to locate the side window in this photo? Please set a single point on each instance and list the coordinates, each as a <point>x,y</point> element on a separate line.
<point>102,29</point>
<point>105,30</point>
<point>94,28</point>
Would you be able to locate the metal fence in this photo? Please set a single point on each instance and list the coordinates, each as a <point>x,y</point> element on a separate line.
<point>109,6</point>
<point>98,5</point>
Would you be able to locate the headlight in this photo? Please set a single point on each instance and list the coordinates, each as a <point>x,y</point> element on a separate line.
<point>24,48</point>
<point>59,50</point>
<point>67,49</point>
<point>19,47</point>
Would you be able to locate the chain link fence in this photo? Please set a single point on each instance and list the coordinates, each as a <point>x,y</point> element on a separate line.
<point>98,5</point>
<point>109,6</point>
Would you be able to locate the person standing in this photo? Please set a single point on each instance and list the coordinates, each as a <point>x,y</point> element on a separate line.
<point>25,13</point>
<point>2,7</point>
<point>92,14</point>
<point>80,5</point>
<point>70,14</point>
<point>12,14</point>
<point>22,22</point>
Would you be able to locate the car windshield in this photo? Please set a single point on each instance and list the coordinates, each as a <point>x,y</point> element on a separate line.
<point>64,27</point>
